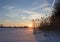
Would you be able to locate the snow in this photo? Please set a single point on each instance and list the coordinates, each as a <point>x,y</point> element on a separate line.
<point>26,35</point>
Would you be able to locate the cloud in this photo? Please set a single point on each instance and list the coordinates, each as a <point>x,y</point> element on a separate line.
<point>12,15</point>
<point>14,12</point>
<point>34,15</point>
<point>17,13</point>
<point>8,7</point>
<point>30,12</point>
<point>24,17</point>
<point>7,21</point>
<point>40,6</point>
<point>47,9</point>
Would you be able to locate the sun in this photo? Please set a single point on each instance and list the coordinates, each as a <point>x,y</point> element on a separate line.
<point>30,25</point>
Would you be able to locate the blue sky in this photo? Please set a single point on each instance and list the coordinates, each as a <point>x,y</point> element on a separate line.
<point>21,11</point>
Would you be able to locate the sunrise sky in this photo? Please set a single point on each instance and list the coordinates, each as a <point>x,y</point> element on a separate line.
<point>20,12</point>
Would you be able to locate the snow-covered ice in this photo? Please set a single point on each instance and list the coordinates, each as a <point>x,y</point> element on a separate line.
<point>26,35</point>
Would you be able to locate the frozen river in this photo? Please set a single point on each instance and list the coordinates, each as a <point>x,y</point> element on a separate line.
<point>26,35</point>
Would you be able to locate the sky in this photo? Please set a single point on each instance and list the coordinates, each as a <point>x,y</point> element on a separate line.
<point>20,12</point>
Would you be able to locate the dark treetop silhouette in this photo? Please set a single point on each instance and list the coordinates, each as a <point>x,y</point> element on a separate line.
<point>54,19</point>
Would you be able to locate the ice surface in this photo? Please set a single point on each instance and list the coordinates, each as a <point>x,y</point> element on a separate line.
<point>26,35</point>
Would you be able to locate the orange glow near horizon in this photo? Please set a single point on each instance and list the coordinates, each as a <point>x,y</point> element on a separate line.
<point>18,24</point>
<point>30,25</point>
